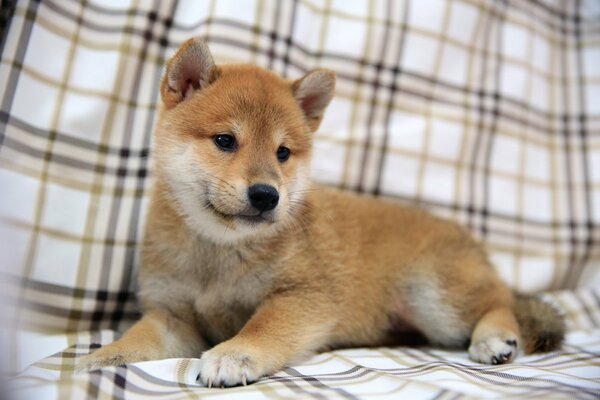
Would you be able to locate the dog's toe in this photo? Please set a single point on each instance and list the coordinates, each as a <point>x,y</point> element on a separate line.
<point>222,367</point>
<point>493,350</point>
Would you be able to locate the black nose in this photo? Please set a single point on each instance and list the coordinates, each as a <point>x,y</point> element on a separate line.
<point>263,197</point>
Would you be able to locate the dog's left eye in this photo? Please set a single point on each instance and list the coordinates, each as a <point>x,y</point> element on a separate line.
<point>225,142</point>
<point>283,153</point>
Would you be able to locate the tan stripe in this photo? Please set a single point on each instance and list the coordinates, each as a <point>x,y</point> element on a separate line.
<point>469,125</point>
<point>357,99</point>
<point>559,179</point>
<point>457,164</point>
<point>54,233</point>
<point>533,251</point>
<point>211,13</point>
<point>410,105</point>
<point>180,377</point>
<point>112,96</point>
<point>51,24</point>
<point>259,12</point>
<point>324,25</point>
<point>437,64</point>
<point>64,179</point>
<point>520,179</point>
<point>43,177</point>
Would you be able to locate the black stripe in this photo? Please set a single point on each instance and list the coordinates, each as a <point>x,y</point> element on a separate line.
<point>68,291</point>
<point>136,213</point>
<point>97,148</point>
<point>578,269</point>
<point>394,90</point>
<point>373,109</point>
<point>87,320</point>
<point>7,11</point>
<point>120,172</point>
<point>7,101</point>
<point>271,53</point>
<point>15,71</point>
<point>568,167</point>
<point>127,269</point>
<point>595,296</point>
<point>473,186</point>
<point>587,311</point>
<point>288,39</point>
<point>313,381</point>
<point>491,135</point>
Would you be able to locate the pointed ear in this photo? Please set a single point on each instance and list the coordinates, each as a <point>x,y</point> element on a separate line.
<point>314,91</point>
<point>192,68</point>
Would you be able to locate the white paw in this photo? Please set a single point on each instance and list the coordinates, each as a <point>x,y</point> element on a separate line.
<point>222,367</point>
<point>493,350</point>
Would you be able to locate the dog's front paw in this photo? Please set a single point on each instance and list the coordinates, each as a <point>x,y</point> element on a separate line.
<point>494,350</point>
<point>112,355</point>
<point>229,365</point>
<point>98,359</point>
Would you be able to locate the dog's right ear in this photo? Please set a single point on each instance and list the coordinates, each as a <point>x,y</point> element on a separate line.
<point>313,92</point>
<point>191,69</point>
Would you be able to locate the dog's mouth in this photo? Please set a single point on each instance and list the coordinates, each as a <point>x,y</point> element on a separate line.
<point>248,218</point>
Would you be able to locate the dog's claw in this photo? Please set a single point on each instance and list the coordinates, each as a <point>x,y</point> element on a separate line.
<point>244,382</point>
<point>209,383</point>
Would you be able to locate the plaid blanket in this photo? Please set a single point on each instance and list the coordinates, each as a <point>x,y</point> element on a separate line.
<point>484,112</point>
<point>381,373</point>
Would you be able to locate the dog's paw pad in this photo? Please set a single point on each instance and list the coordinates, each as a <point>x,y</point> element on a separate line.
<point>493,350</point>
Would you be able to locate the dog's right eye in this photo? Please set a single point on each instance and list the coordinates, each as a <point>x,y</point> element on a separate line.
<point>225,142</point>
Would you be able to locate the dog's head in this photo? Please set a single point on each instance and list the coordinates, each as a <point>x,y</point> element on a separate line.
<point>233,142</point>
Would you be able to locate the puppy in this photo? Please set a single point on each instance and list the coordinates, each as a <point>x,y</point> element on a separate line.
<point>247,265</point>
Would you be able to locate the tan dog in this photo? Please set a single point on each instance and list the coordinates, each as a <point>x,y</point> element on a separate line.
<point>241,255</point>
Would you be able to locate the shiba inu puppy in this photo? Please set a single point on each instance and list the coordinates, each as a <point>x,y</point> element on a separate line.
<point>249,267</point>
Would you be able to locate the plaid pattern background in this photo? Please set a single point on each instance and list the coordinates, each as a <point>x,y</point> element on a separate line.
<point>486,112</point>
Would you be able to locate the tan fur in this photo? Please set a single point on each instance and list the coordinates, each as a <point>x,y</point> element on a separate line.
<point>324,269</point>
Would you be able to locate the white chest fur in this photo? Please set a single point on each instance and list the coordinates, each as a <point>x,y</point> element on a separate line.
<point>217,288</point>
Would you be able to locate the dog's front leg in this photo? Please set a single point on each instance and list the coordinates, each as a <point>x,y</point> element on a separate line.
<point>286,328</point>
<point>157,335</point>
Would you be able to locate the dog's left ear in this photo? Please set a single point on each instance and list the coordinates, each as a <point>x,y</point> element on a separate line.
<point>191,69</point>
<point>314,91</point>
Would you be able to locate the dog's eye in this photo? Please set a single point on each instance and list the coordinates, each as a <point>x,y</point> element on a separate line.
<point>283,153</point>
<point>225,142</point>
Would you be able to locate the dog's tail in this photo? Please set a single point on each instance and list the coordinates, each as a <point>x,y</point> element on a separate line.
<point>542,325</point>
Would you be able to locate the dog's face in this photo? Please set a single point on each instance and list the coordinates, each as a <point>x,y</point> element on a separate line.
<point>234,142</point>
